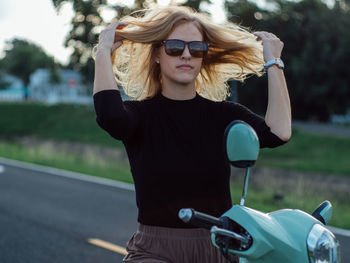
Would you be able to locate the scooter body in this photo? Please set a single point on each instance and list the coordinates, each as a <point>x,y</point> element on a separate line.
<point>279,236</point>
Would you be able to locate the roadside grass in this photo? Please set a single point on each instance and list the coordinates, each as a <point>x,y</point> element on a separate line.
<point>261,198</point>
<point>62,122</point>
<point>308,152</point>
<point>77,123</point>
<point>83,163</point>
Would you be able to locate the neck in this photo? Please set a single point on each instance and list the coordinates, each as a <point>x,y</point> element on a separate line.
<point>177,91</point>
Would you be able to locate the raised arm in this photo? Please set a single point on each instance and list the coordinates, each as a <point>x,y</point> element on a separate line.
<point>119,119</point>
<point>278,113</point>
<point>108,42</point>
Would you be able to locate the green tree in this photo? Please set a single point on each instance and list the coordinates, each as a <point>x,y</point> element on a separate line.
<point>316,50</point>
<point>22,58</point>
<point>3,83</point>
<point>82,37</point>
<point>244,13</point>
<point>196,4</point>
<point>86,25</point>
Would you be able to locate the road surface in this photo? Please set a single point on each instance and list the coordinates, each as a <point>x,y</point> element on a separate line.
<point>50,218</point>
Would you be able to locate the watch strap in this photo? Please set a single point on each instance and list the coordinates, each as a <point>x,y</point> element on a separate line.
<point>275,61</point>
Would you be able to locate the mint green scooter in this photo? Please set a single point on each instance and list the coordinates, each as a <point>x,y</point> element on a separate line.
<point>282,236</point>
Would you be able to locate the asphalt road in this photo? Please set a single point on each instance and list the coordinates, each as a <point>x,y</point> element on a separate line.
<point>49,218</point>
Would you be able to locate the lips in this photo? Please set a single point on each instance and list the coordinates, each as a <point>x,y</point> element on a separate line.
<point>185,66</point>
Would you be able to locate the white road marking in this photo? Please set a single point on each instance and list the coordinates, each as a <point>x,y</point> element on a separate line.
<point>108,245</point>
<point>68,174</point>
<point>2,169</point>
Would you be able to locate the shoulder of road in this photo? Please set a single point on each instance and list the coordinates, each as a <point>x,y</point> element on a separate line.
<point>97,180</point>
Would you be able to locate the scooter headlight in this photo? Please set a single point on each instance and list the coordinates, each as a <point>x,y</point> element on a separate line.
<point>322,246</point>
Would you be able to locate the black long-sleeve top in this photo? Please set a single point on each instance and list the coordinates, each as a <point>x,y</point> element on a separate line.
<point>176,151</point>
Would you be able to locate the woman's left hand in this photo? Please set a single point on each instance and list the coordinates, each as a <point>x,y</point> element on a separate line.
<point>272,45</point>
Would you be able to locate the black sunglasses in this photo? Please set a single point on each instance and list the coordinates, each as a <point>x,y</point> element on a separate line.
<point>175,47</point>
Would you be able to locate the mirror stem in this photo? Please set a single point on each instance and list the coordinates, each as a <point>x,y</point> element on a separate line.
<point>245,187</point>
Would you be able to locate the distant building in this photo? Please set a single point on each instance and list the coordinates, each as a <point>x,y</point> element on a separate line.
<point>340,119</point>
<point>14,91</point>
<point>69,89</point>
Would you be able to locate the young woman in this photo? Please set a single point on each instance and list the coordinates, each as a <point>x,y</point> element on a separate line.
<point>174,64</point>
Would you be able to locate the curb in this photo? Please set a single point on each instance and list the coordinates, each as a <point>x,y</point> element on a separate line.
<point>101,181</point>
<point>67,174</point>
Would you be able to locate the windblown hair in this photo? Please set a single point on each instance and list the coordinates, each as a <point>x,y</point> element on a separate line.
<point>234,52</point>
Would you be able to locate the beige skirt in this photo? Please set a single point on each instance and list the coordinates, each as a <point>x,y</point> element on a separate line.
<point>152,244</point>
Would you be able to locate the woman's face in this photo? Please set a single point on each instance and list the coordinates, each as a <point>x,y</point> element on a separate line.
<point>172,68</point>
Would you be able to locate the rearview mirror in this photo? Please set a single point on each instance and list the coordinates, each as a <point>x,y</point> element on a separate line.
<point>242,144</point>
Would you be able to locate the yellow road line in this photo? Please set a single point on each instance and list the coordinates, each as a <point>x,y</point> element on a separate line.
<point>107,245</point>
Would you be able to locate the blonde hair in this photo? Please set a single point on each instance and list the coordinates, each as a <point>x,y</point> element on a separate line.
<point>234,52</point>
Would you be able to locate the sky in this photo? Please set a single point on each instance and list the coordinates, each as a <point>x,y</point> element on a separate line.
<point>38,22</point>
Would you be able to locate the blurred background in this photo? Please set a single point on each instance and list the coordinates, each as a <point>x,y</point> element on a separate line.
<point>46,81</point>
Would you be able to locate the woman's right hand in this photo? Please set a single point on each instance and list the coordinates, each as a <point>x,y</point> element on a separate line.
<point>109,40</point>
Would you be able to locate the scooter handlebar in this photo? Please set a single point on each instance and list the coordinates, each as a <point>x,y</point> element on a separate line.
<point>189,215</point>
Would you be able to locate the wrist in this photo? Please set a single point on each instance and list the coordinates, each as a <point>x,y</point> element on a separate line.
<point>273,68</point>
<point>102,54</point>
<point>103,50</point>
<point>274,62</point>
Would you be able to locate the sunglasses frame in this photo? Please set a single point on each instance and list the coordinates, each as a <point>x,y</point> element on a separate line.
<point>188,43</point>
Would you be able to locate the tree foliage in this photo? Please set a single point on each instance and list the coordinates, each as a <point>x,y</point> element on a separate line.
<point>22,58</point>
<point>87,24</point>
<point>316,39</point>
<point>83,34</point>
<point>316,52</point>
<point>3,83</point>
<point>196,4</point>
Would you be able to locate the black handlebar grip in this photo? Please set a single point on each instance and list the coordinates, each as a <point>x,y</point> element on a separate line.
<point>189,215</point>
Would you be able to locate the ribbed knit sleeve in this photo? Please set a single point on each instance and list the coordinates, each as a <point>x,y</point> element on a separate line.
<point>120,119</point>
<point>235,111</point>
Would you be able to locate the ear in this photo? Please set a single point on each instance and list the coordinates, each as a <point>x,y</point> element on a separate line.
<point>156,56</point>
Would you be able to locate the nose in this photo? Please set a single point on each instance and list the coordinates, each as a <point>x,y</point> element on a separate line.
<point>186,53</point>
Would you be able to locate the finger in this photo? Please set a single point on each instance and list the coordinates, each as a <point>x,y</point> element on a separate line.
<point>261,35</point>
<point>112,25</point>
<point>117,37</point>
<point>120,26</point>
<point>115,25</point>
<point>271,36</point>
<point>257,34</point>
<point>116,45</point>
<point>266,34</point>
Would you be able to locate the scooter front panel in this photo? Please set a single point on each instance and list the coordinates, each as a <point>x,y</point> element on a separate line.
<point>279,236</point>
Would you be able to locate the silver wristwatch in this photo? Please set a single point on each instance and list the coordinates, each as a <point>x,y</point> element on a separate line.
<point>276,61</point>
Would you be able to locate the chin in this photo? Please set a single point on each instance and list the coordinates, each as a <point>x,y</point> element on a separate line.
<point>185,79</point>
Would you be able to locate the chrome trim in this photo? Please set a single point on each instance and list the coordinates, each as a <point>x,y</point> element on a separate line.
<point>314,235</point>
<point>244,240</point>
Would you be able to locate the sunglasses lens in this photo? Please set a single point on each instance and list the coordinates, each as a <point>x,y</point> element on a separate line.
<point>198,49</point>
<point>174,47</point>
